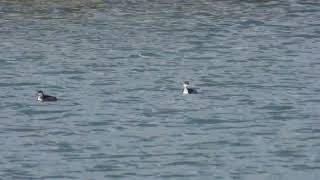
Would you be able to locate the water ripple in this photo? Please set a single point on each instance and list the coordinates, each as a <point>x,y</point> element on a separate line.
<point>117,68</point>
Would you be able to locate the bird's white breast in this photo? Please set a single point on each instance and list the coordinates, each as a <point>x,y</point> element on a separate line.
<point>185,91</point>
<point>40,99</point>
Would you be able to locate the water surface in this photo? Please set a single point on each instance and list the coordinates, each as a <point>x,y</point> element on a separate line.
<point>117,68</point>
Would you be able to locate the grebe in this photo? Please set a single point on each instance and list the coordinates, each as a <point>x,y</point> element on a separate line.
<point>44,97</point>
<point>187,89</point>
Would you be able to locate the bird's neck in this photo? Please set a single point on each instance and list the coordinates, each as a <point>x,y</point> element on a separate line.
<point>185,90</point>
<point>40,98</point>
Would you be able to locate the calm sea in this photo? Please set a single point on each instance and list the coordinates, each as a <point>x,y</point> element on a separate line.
<point>117,68</point>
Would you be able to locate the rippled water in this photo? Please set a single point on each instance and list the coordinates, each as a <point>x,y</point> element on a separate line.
<point>117,68</point>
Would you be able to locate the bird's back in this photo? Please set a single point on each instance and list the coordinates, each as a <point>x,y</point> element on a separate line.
<point>49,98</point>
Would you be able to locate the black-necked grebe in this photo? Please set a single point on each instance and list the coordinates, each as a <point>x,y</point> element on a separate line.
<point>44,97</point>
<point>187,89</point>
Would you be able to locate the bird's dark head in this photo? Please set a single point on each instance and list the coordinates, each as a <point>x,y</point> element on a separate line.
<point>185,84</point>
<point>40,93</point>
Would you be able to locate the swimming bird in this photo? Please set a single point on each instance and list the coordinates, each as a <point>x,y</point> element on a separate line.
<point>187,89</point>
<point>44,97</point>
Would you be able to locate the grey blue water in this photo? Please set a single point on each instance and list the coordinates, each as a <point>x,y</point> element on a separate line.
<point>117,68</point>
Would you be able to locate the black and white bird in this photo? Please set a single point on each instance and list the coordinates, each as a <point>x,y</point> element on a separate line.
<point>187,89</point>
<point>43,97</point>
